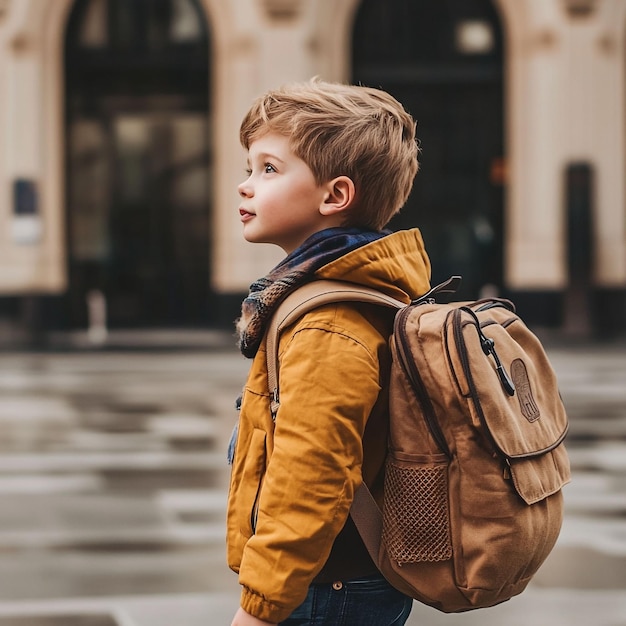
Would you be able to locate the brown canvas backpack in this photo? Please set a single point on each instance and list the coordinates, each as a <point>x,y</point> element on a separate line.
<point>476,461</point>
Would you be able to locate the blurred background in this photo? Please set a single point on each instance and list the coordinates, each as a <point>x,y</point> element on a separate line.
<point>122,268</point>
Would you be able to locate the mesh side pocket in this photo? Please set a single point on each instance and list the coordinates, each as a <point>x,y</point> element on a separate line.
<point>416,524</point>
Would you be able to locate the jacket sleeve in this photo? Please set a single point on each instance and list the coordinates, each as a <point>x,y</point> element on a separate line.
<point>329,382</point>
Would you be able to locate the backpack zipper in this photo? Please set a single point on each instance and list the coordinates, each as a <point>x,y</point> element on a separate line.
<point>457,325</point>
<point>493,304</point>
<point>488,347</point>
<point>417,384</point>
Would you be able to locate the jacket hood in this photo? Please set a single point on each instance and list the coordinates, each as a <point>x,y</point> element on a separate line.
<point>396,265</point>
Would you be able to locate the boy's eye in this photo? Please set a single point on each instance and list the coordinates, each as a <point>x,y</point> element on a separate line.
<point>248,171</point>
<point>268,168</point>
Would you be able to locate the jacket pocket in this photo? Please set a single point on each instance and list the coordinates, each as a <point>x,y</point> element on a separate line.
<point>251,481</point>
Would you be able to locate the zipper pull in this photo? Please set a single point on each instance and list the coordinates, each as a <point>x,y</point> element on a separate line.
<point>506,472</point>
<point>489,348</point>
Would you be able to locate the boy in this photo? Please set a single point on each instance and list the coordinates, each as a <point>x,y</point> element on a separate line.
<point>328,166</point>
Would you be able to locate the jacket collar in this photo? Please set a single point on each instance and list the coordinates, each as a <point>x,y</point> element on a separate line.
<point>396,265</point>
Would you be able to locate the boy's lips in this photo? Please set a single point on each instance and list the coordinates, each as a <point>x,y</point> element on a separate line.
<point>245,215</point>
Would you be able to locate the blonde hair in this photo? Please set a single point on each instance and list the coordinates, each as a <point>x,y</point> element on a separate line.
<point>344,130</point>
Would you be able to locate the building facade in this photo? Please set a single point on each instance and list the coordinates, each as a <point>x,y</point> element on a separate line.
<point>119,157</point>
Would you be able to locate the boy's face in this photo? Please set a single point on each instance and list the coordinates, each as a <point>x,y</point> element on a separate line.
<point>280,200</point>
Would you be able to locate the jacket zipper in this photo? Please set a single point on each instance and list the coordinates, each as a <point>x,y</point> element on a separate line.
<point>417,384</point>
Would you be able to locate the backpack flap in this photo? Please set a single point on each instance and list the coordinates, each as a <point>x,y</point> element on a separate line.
<point>512,393</point>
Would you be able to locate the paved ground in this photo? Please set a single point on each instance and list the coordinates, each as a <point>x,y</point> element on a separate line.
<point>113,479</point>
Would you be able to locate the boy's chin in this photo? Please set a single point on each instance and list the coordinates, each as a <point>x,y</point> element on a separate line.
<point>253,238</point>
<point>250,236</point>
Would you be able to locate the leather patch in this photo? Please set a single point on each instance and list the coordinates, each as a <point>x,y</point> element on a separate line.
<point>527,403</point>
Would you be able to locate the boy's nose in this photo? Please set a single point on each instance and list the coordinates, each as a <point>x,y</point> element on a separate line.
<point>244,189</point>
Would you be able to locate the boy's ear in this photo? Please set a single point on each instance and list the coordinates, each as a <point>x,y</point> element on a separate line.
<point>340,193</point>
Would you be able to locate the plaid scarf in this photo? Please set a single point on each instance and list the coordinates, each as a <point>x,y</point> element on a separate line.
<point>292,272</point>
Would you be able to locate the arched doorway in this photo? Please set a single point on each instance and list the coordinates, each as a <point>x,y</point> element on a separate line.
<point>138,161</point>
<point>443,60</point>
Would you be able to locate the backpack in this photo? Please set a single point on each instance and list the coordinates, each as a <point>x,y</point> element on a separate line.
<point>472,501</point>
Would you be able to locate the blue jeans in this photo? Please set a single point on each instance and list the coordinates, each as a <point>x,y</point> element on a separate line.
<point>370,601</point>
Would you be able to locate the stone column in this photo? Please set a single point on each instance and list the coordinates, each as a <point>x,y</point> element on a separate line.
<point>32,259</point>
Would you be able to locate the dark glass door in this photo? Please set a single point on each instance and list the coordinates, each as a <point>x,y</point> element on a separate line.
<point>138,161</point>
<point>443,61</point>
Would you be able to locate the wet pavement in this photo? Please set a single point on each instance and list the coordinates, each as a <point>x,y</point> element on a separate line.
<point>113,482</point>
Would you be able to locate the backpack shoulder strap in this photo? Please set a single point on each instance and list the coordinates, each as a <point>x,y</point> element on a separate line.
<point>364,511</point>
<point>301,301</point>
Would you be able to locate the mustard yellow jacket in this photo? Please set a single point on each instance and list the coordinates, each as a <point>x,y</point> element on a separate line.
<point>293,481</point>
